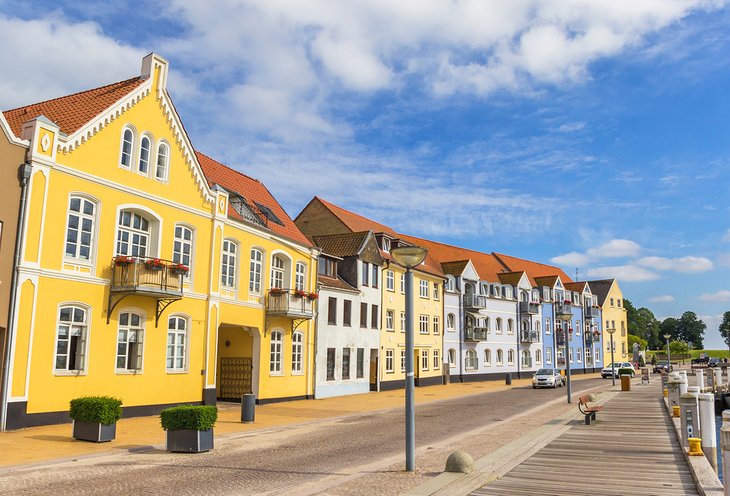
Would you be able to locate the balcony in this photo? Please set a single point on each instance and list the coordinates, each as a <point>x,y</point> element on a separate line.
<point>559,337</point>
<point>592,313</point>
<point>563,309</point>
<point>151,277</point>
<point>529,307</point>
<point>475,302</point>
<point>529,336</point>
<point>475,334</point>
<point>289,303</point>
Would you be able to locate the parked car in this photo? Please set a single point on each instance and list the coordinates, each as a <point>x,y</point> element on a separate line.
<point>665,366</point>
<point>547,378</point>
<point>606,371</point>
<point>713,362</point>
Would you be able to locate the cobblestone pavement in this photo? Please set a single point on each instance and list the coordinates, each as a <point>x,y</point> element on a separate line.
<point>356,455</point>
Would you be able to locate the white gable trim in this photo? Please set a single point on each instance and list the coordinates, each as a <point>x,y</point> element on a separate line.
<point>9,133</point>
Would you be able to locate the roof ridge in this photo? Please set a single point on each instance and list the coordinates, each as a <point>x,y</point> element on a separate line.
<point>197,152</point>
<point>137,78</point>
<point>448,245</point>
<point>526,260</point>
<point>329,206</point>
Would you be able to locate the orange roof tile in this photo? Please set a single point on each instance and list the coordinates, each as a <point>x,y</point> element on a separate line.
<point>485,264</point>
<point>334,282</point>
<point>254,191</point>
<point>548,281</point>
<point>455,268</point>
<point>511,278</point>
<point>533,269</point>
<point>71,112</point>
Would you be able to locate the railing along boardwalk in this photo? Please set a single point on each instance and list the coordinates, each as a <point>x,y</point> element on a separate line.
<point>631,450</point>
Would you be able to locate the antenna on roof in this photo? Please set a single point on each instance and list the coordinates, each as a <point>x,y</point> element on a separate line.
<point>576,273</point>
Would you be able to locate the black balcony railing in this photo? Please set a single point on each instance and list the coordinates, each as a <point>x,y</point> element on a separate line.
<point>289,303</point>
<point>475,334</point>
<point>529,307</point>
<point>475,302</point>
<point>563,309</point>
<point>529,336</point>
<point>141,276</point>
<point>592,312</point>
<point>560,337</point>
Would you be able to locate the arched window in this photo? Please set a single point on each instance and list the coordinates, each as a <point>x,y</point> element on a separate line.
<point>275,355</point>
<point>487,324</point>
<point>510,357</point>
<point>71,337</point>
<point>182,246</point>
<point>254,281</point>
<point>538,356</point>
<point>510,326</point>
<point>299,276</point>
<point>451,321</point>
<point>296,351</point>
<point>487,357</point>
<point>130,340</point>
<point>144,155</point>
<point>547,325</point>
<point>277,271</point>
<point>80,228</point>
<point>498,328</point>
<point>125,157</point>
<point>508,292</point>
<point>525,325</point>
<point>450,283</point>
<point>163,158</point>
<point>452,357</point>
<point>228,264</point>
<point>470,363</point>
<point>133,234</point>
<point>500,356</point>
<point>537,325</point>
<point>177,342</point>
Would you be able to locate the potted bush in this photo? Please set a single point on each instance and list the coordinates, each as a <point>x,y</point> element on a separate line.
<point>626,373</point>
<point>95,418</point>
<point>189,428</point>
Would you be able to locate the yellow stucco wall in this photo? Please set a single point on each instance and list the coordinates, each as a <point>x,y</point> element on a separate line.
<point>613,314</point>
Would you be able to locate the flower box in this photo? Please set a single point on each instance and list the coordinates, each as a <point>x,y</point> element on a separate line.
<point>123,260</point>
<point>300,294</point>
<point>276,291</point>
<point>179,269</point>
<point>154,264</point>
<point>312,296</point>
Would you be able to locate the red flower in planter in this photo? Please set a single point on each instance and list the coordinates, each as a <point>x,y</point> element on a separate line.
<point>312,296</point>
<point>123,260</point>
<point>154,263</point>
<point>276,291</point>
<point>300,293</point>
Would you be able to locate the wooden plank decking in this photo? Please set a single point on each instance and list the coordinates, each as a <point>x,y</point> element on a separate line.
<point>630,450</point>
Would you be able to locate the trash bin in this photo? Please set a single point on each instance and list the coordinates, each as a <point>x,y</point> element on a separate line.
<point>248,404</point>
<point>625,382</point>
<point>508,379</point>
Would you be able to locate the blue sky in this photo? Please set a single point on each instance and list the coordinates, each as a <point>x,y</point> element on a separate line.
<point>589,134</point>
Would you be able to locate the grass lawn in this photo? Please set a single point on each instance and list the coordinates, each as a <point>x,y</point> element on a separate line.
<point>693,353</point>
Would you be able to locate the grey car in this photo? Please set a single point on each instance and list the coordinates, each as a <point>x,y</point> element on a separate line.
<point>547,378</point>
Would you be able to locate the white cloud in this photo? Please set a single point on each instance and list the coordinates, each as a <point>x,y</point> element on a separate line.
<point>723,260</point>
<point>572,259</point>
<point>684,264</point>
<point>616,248</point>
<point>66,57</point>
<point>726,237</point>
<point>722,295</point>
<point>571,127</point>
<point>661,299</point>
<point>629,273</point>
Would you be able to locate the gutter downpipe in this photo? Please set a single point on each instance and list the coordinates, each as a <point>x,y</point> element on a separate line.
<point>518,324</point>
<point>24,172</point>
<point>462,335</point>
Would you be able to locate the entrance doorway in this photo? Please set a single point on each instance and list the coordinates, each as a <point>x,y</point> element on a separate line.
<point>373,369</point>
<point>237,362</point>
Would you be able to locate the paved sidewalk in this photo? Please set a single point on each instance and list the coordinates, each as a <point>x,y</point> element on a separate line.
<point>53,443</point>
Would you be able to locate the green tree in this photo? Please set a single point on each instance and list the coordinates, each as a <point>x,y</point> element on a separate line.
<point>678,348</point>
<point>643,343</point>
<point>644,325</point>
<point>691,329</point>
<point>670,326</point>
<point>725,328</point>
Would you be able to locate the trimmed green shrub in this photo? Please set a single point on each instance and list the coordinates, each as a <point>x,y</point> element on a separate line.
<point>102,409</point>
<point>625,371</point>
<point>195,418</point>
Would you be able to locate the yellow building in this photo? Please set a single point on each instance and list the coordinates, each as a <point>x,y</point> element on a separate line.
<point>133,278</point>
<point>613,314</point>
<point>320,217</point>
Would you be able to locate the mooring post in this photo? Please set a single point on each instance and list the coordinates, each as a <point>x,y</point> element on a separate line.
<point>688,418</point>
<point>707,421</point>
<point>673,391</point>
<point>700,379</point>
<point>725,445</point>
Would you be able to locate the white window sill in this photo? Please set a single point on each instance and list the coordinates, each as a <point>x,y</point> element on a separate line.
<point>69,373</point>
<point>276,374</point>
<point>127,372</point>
<point>176,372</point>
<point>297,373</point>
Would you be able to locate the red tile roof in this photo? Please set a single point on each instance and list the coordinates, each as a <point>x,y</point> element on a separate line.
<point>253,191</point>
<point>355,222</point>
<point>334,282</point>
<point>533,269</point>
<point>576,286</point>
<point>485,264</point>
<point>72,112</point>
<point>511,278</point>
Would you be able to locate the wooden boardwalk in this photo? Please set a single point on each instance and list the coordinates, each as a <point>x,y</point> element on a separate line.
<point>630,450</point>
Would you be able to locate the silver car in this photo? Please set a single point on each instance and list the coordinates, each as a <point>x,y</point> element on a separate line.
<point>547,378</point>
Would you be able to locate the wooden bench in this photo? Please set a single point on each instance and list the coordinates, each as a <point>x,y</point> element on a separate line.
<point>588,411</point>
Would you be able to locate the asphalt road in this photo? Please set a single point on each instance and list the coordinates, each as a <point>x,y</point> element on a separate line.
<point>281,459</point>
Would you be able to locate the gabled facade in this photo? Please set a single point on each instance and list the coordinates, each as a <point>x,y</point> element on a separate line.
<point>587,334</point>
<point>348,339</point>
<point>613,316</point>
<point>129,278</point>
<point>320,218</point>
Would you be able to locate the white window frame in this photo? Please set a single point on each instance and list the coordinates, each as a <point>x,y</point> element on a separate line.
<point>402,360</point>
<point>402,322</point>
<point>451,322</point>
<point>179,344</point>
<point>500,357</point>
<point>81,216</point>
<point>390,280</point>
<point>389,359</point>
<point>256,267</point>
<point>452,358</point>
<point>436,325</point>
<point>425,358</point>
<point>538,356</point>
<point>229,264</point>
<point>423,324</point>
<point>498,326</point>
<point>123,142</point>
<point>300,276</point>
<point>549,355</point>
<point>179,243</point>
<point>403,284</point>
<point>297,352</point>
<point>162,161</point>
<point>145,137</point>
<point>389,317</point>
<point>275,350</point>
<point>139,338</point>
<point>73,326</point>
<point>510,357</point>
<point>423,288</point>
<point>277,271</point>
<point>436,295</point>
<point>436,360</point>
<point>143,250</point>
<point>487,357</point>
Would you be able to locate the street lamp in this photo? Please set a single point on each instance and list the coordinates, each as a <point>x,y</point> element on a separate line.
<point>669,357</point>
<point>409,257</point>
<point>565,316</point>
<point>613,366</point>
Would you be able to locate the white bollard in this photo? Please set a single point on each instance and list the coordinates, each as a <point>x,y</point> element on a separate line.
<point>700,379</point>
<point>673,393</point>
<point>683,385</point>
<point>683,374</point>
<point>725,445</point>
<point>718,377</point>
<point>688,418</point>
<point>695,391</point>
<point>707,423</point>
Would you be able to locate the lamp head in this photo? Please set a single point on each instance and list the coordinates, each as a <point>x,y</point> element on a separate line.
<point>408,256</point>
<point>667,336</point>
<point>611,330</point>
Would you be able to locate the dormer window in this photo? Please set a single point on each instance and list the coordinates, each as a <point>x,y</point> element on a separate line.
<point>327,267</point>
<point>508,292</point>
<point>386,244</point>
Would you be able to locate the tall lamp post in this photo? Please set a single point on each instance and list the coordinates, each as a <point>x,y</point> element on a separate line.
<point>565,316</point>
<point>610,332</point>
<point>409,257</point>
<point>669,357</point>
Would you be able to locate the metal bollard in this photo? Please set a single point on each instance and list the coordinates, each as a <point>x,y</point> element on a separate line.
<point>725,445</point>
<point>248,407</point>
<point>707,420</point>
<point>508,379</point>
<point>673,391</point>
<point>700,379</point>
<point>688,418</point>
